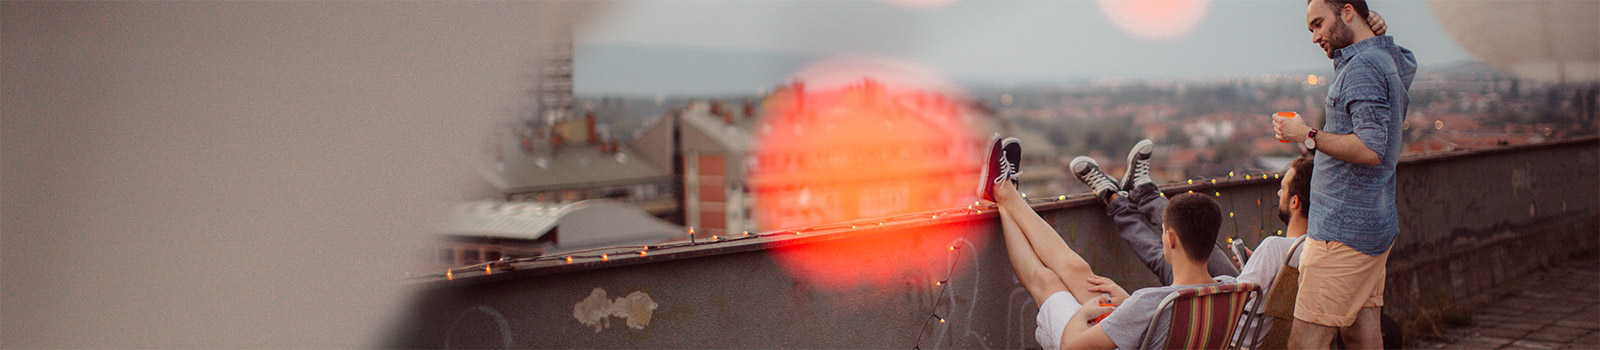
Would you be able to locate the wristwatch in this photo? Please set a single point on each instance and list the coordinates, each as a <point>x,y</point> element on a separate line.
<point>1311,140</point>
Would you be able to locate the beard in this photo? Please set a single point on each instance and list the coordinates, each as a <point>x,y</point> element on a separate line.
<point>1339,36</point>
<point>1283,214</point>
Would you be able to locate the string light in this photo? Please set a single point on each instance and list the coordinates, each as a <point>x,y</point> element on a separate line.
<point>569,259</point>
<point>1230,174</point>
<point>1213,181</point>
<point>1191,181</point>
<point>938,283</point>
<point>1062,198</point>
<point>487,271</point>
<point>642,253</point>
<point>714,238</point>
<point>448,275</point>
<point>747,233</point>
<point>1219,194</point>
<point>604,257</point>
<point>1246,176</point>
<point>941,319</point>
<point>1230,214</point>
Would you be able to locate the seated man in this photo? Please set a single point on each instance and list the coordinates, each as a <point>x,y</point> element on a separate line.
<point>1062,283</point>
<point>1138,200</point>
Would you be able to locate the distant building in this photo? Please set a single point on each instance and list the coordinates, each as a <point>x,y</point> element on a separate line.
<point>570,162</point>
<point>483,231</point>
<point>715,142</point>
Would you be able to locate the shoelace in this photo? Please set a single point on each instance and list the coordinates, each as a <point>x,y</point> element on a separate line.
<point>1099,180</point>
<point>1007,169</point>
<point>1141,170</point>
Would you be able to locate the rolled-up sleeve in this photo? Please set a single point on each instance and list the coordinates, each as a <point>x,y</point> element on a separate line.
<point>1367,102</point>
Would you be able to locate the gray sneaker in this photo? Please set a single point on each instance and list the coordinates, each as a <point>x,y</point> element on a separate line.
<point>1088,171</point>
<point>1138,165</point>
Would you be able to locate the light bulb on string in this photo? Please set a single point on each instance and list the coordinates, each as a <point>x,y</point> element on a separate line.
<point>569,259</point>
<point>604,257</point>
<point>448,275</point>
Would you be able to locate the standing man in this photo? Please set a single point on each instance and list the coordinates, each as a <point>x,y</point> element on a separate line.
<point>1353,220</point>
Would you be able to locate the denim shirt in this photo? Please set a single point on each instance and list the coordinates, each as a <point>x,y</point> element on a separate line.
<point>1354,203</point>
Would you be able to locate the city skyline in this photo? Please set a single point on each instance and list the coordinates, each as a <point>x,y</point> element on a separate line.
<point>711,47</point>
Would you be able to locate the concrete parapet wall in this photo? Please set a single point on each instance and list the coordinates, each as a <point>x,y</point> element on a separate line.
<point>1470,220</point>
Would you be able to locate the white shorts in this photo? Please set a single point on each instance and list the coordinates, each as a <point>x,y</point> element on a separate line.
<point>1053,317</point>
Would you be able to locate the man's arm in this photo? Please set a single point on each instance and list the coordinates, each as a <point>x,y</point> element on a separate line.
<point>1367,103</point>
<point>1080,335</point>
<point>1088,338</point>
<point>1345,147</point>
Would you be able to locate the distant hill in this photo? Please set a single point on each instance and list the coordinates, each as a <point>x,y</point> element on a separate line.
<point>647,70</point>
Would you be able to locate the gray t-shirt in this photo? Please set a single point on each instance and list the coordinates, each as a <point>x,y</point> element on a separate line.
<point>1126,325</point>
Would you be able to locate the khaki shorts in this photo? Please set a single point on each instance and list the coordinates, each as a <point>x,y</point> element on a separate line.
<point>1336,281</point>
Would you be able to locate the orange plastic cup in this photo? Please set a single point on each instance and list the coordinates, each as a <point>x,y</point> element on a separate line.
<point>1286,115</point>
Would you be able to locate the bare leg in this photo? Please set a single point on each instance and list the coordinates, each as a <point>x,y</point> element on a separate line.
<point>1366,333</point>
<point>1039,280</point>
<point>1046,243</point>
<point>1307,335</point>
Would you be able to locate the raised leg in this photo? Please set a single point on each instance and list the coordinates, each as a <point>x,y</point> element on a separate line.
<point>1051,250</point>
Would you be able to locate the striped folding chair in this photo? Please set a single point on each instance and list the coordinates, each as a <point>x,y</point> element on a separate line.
<point>1203,317</point>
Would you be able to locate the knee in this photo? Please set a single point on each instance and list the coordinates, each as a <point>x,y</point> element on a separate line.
<point>1043,278</point>
<point>1078,267</point>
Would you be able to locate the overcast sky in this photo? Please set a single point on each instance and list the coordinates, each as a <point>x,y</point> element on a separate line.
<point>978,41</point>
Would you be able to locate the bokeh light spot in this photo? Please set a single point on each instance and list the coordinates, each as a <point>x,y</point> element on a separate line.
<point>1155,19</point>
<point>850,144</point>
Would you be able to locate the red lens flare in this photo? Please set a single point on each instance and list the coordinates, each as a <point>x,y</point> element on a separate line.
<point>851,147</point>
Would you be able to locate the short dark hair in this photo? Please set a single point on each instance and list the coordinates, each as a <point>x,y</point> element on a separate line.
<point>1359,5</point>
<point>1300,185</point>
<point>1197,218</point>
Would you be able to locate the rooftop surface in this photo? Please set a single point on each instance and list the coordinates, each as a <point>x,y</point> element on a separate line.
<point>1555,309</point>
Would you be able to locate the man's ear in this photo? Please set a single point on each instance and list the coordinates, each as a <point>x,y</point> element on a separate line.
<point>1294,203</point>
<point>1169,238</point>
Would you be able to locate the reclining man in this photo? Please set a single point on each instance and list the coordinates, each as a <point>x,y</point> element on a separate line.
<point>1062,283</point>
<point>1135,204</point>
<point>1136,199</point>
